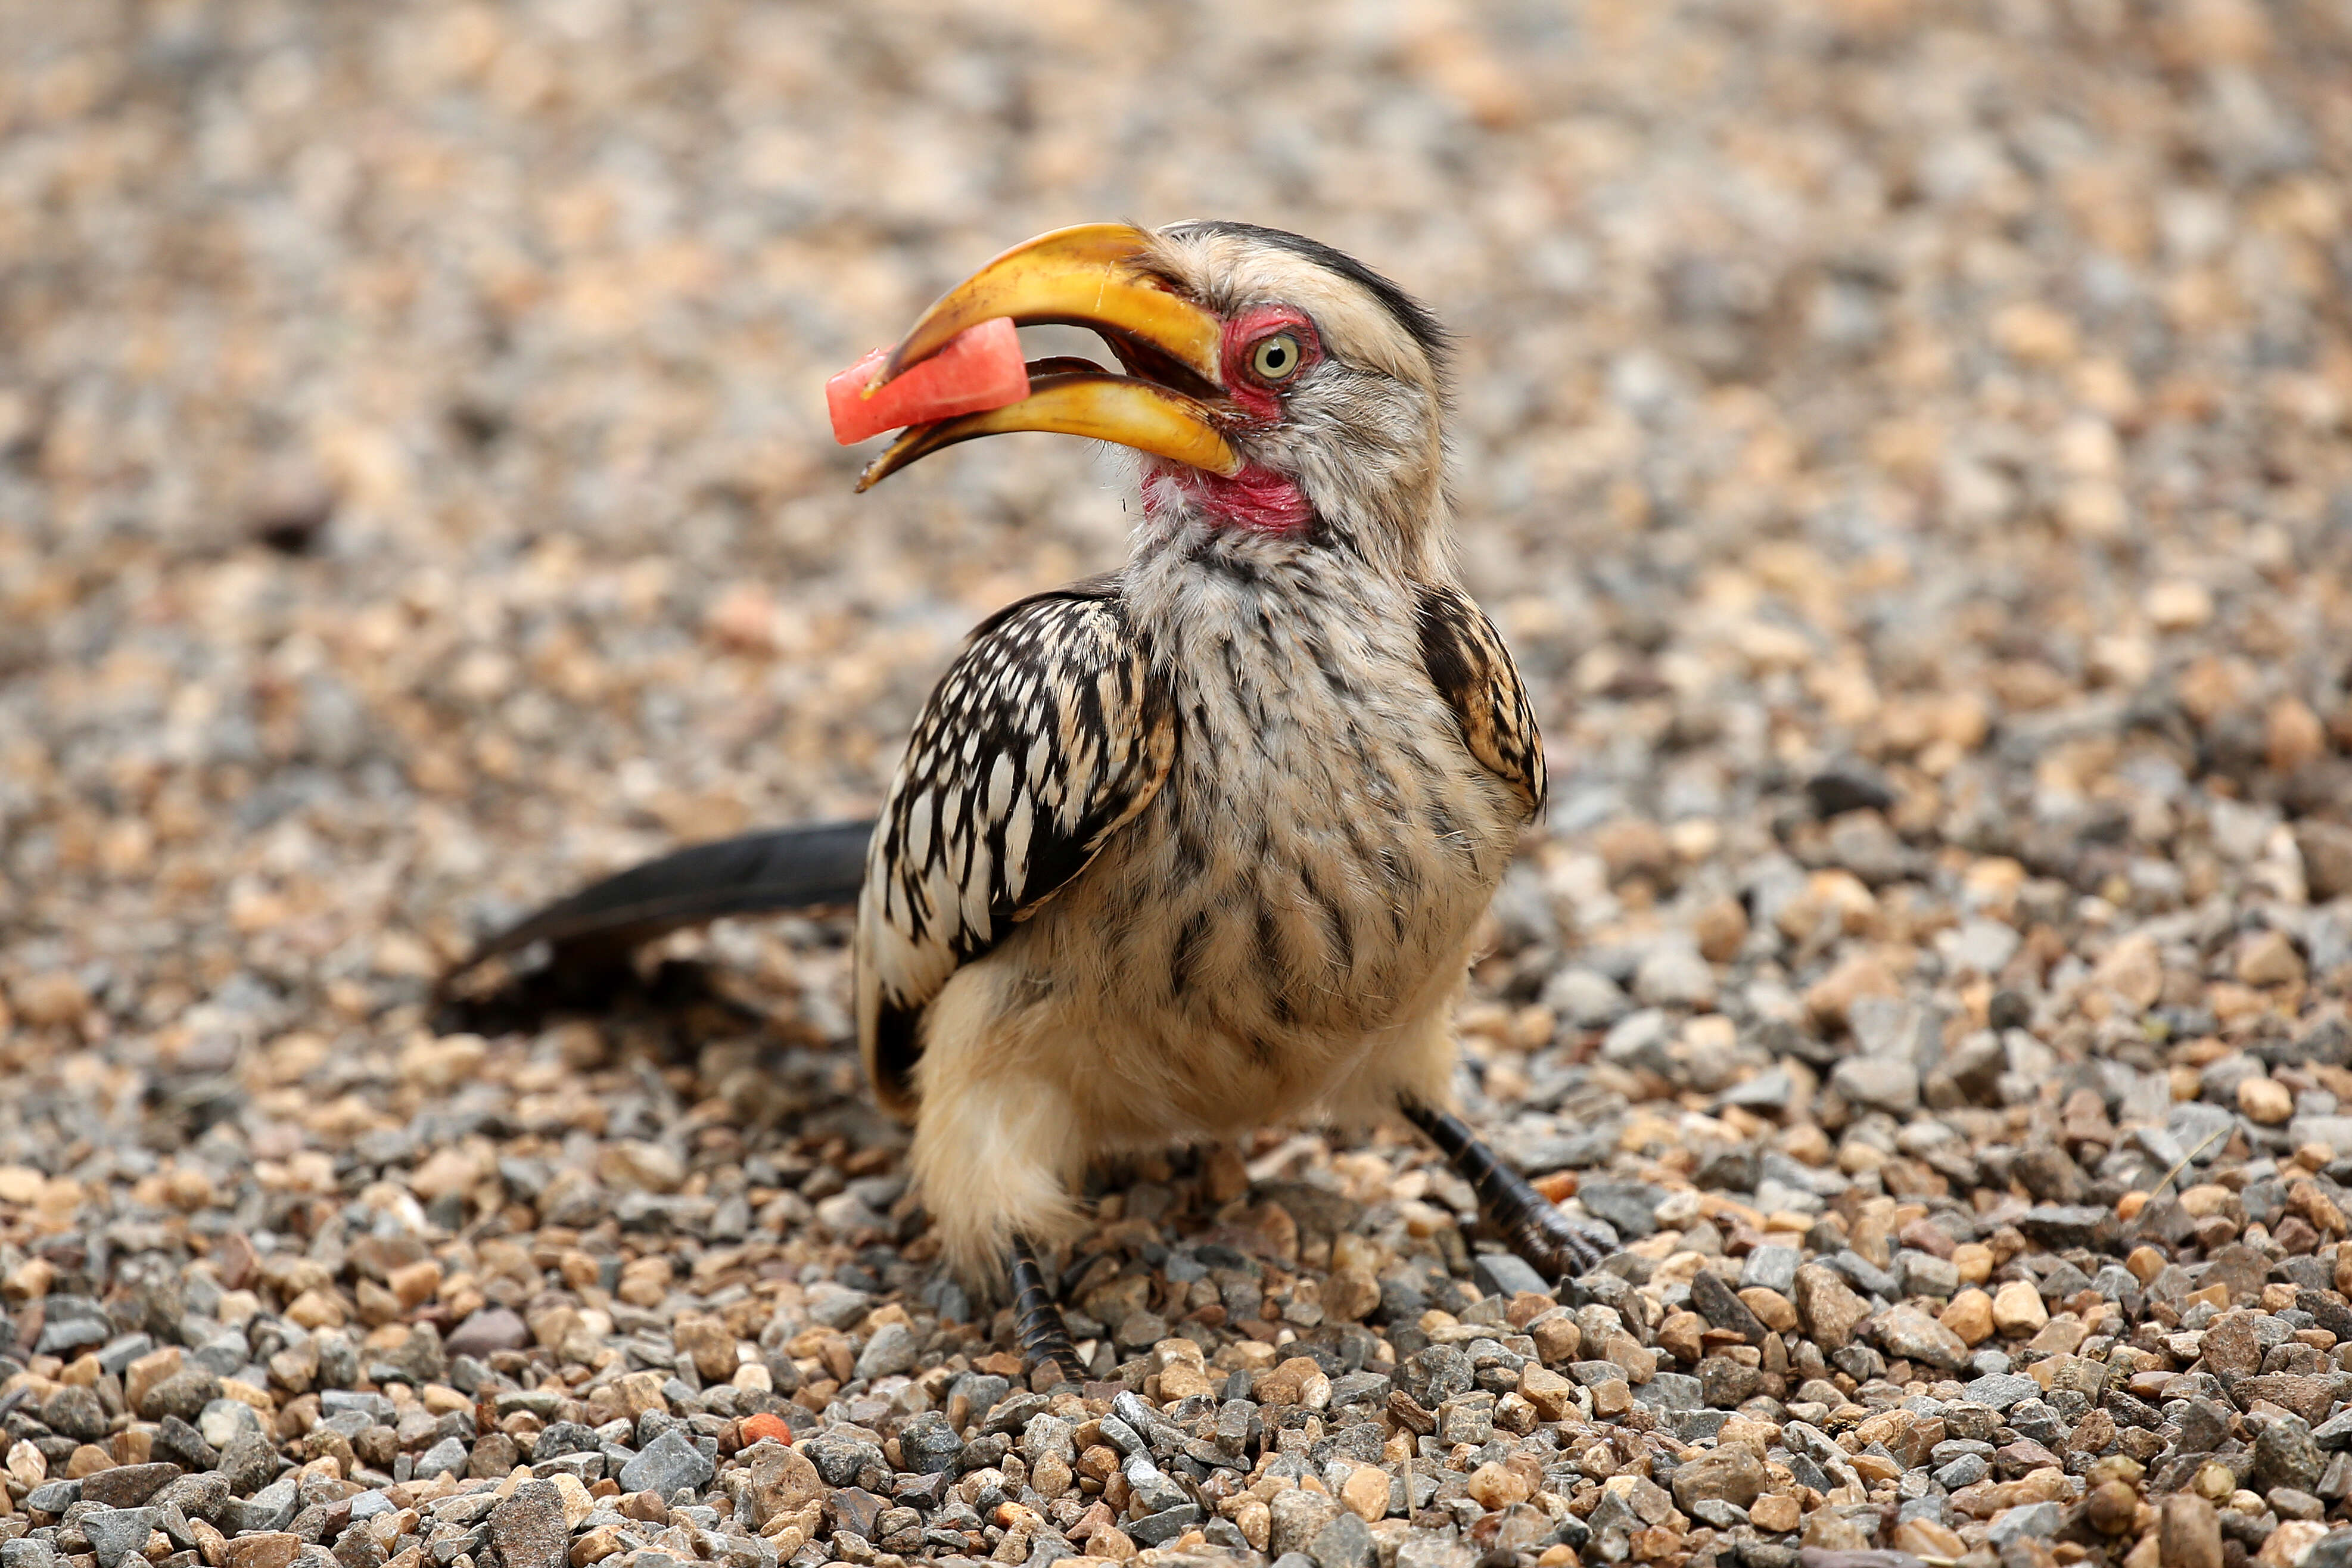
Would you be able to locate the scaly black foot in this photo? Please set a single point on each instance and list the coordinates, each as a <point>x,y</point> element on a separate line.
<point>1533,1227</point>
<point>1036,1323</point>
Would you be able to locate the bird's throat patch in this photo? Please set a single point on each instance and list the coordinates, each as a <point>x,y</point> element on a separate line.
<point>1257,499</point>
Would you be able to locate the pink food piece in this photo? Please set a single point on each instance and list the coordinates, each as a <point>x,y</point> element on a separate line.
<point>980,368</point>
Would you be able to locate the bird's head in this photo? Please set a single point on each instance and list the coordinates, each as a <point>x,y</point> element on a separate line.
<point>1283,394</point>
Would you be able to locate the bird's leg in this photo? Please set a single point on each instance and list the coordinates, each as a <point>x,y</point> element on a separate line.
<point>1556,1247</point>
<point>1036,1321</point>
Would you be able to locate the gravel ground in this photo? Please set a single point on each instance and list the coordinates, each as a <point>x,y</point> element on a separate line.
<point>1905,445</point>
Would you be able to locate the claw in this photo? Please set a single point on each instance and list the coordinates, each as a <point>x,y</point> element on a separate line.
<point>1038,1323</point>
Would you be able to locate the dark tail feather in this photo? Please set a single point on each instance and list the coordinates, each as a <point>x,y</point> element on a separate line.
<point>817,865</point>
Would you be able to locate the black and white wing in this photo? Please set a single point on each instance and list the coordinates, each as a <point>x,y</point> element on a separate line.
<point>1045,736</point>
<point>1474,672</point>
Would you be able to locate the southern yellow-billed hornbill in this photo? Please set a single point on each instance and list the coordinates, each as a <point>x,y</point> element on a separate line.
<point>1200,844</point>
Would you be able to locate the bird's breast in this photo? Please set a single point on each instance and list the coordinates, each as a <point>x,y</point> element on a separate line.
<point>1312,871</point>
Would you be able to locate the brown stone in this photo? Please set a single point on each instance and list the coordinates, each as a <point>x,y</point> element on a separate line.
<point>268,1549</point>
<point>414,1284</point>
<point>141,1377</point>
<point>2112,1507</point>
<point>1679,1335</point>
<point>1774,1310</point>
<point>1731,1475</point>
<point>1828,1308</point>
<point>1498,1485</point>
<point>1284,1383</point>
<point>1365,1493</point>
<point>2191,1532</point>
<point>1553,1396</point>
<point>1777,1512</point>
<point>1913,1335</point>
<point>1558,1339</point>
<point>640,1391</point>
<point>2017,1309</point>
<point>783,1482</point>
<point>2265,1100</point>
<point>2268,958</point>
<point>1926,1538</point>
<point>710,1341</point>
<point>1826,1530</point>
<point>128,1486</point>
<point>2230,1349</point>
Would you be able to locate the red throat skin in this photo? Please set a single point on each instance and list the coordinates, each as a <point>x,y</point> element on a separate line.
<point>1257,499</point>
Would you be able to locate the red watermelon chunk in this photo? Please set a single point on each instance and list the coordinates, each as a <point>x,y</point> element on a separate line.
<point>980,368</point>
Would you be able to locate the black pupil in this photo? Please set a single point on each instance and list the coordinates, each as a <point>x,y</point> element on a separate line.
<point>1277,356</point>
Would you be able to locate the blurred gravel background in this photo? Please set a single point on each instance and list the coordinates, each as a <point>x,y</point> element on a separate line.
<point>1905,445</point>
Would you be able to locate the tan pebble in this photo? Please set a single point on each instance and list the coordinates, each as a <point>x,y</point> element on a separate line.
<point>1774,1310</point>
<point>1183,1381</point>
<point>2133,970</point>
<point>414,1284</point>
<point>2268,958</point>
<point>1969,1315</point>
<point>2179,604</point>
<point>317,1309</point>
<point>28,1465</point>
<point>273,1549</point>
<point>2017,1309</point>
<point>1557,1337</point>
<point>2145,1263</point>
<point>1497,1487</point>
<point>52,998</point>
<point>2113,1508</point>
<point>2036,334</point>
<point>1552,1395</point>
<point>1973,1260</point>
<point>2265,1100</point>
<point>1924,1538</point>
<point>1255,1520</point>
<point>2206,1199</point>
<point>595,1545</point>
<point>88,1460</point>
<point>2191,1530</point>
<point>1832,1531</point>
<point>141,1375</point>
<point>577,1504</point>
<point>640,1391</point>
<point>1831,999</point>
<point>1873,1467</point>
<point>638,1165</point>
<point>1775,1511</point>
<point>2290,1542</point>
<point>29,1281</point>
<point>1807,1144</point>
<point>1721,930</point>
<point>1365,1493</point>
<point>1351,1295</point>
<point>1679,1335</point>
<point>2292,735</point>
<point>1613,1397</point>
<point>445,1173</point>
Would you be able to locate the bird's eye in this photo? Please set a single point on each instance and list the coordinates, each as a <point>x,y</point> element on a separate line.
<point>1276,358</point>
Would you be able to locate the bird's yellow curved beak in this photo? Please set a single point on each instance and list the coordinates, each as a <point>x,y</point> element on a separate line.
<point>1089,275</point>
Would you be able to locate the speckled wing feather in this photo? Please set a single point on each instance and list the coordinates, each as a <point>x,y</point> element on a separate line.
<point>1045,736</point>
<point>1473,670</point>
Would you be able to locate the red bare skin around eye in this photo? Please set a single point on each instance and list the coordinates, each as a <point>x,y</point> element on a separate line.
<point>1257,499</point>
